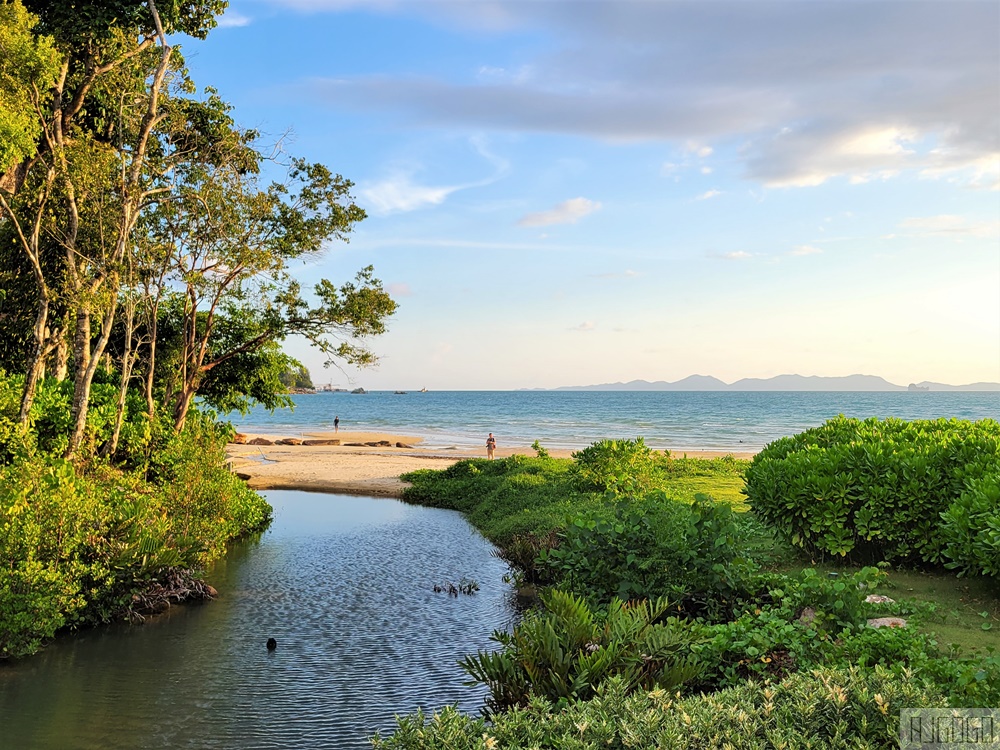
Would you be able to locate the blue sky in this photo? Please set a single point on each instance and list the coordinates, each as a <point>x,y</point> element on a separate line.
<point>568,193</point>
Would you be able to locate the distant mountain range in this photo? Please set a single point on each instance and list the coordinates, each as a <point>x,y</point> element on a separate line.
<point>781,383</point>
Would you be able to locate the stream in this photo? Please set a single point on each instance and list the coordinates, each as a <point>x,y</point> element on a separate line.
<point>344,584</point>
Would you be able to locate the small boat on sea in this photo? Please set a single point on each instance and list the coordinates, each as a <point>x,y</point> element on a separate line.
<point>423,390</point>
<point>400,393</point>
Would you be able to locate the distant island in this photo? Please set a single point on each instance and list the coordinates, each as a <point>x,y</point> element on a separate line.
<point>781,383</point>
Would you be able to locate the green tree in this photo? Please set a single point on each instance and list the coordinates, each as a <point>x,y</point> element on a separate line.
<point>296,376</point>
<point>231,249</point>
<point>28,67</point>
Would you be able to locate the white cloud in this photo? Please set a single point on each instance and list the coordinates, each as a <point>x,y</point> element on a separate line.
<point>805,250</point>
<point>950,224</point>
<point>698,150</point>
<point>587,325</point>
<point>810,156</point>
<point>400,193</point>
<point>567,212</point>
<point>708,194</point>
<point>497,75</point>
<point>233,19</point>
<point>737,255</point>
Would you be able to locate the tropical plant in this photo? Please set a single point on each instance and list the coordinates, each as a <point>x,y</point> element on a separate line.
<point>564,652</point>
<point>825,709</point>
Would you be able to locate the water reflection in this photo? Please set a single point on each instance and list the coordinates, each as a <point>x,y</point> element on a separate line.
<point>344,584</point>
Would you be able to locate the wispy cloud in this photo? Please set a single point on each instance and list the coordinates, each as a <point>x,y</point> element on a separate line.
<point>805,250</point>
<point>950,224</point>
<point>708,194</point>
<point>587,325</point>
<point>233,19</point>
<point>400,193</point>
<point>736,255</point>
<point>567,212</point>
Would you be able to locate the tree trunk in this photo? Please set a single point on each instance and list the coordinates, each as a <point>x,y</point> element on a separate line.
<point>183,404</point>
<point>151,366</point>
<point>60,363</point>
<point>84,379</point>
<point>36,365</point>
<point>128,361</point>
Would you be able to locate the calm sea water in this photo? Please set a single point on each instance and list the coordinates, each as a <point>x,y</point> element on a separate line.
<point>574,419</point>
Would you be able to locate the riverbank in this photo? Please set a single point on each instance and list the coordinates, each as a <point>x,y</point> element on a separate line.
<point>361,469</point>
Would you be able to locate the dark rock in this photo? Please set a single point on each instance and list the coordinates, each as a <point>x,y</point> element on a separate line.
<point>355,445</point>
<point>243,475</point>
<point>321,442</point>
<point>260,441</point>
<point>211,591</point>
<point>384,444</point>
<point>271,644</point>
<point>239,439</point>
<point>288,441</point>
<point>403,445</point>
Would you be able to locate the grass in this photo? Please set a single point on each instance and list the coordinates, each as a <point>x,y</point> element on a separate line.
<point>955,610</point>
<point>522,494</point>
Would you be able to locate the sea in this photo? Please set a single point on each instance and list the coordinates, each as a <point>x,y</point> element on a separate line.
<point>674,420</point>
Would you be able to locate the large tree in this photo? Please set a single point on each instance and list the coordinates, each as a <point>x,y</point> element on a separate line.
<point>138,195</point>
<point>232,245</point>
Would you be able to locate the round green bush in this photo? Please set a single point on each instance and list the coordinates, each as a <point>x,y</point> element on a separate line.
<point>872,490</point>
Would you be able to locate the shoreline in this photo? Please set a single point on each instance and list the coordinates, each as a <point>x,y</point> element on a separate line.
<point>359,469</point>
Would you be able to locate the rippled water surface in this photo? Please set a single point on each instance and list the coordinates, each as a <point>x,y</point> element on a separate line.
<point>345,585</point>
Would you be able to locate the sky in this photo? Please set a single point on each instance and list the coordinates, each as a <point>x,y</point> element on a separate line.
<point>583,192</point>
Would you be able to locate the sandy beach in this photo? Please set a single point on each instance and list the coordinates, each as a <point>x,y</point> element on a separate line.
<point>360,469</point>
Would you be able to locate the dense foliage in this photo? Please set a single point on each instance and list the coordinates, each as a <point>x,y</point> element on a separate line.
<point>872,490</point>
<point>829,709</point>
<point>83,545</point>
<point>746,624</point>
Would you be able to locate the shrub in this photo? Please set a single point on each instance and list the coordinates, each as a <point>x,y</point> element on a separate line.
<point>48,524</point>
<point>621,468</point>
<point>823,709</point>
<point>971,529</point>
<point>567,650</point>
<point>872,490</point>
<point>652,548</point>
<point>77,542</point>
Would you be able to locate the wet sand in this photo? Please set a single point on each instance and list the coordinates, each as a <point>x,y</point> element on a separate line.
<point>362,469</point>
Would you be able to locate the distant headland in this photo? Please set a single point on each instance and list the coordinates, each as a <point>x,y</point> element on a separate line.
<point>781,383</point>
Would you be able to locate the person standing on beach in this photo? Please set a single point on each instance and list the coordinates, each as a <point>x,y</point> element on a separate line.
<point>491,446</point>
<point>336,424</point>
